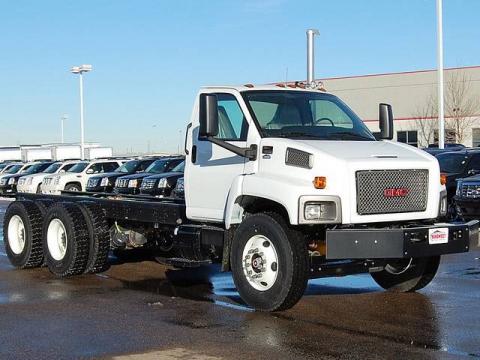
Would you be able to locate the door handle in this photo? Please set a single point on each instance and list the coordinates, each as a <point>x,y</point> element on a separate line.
<point>194,154</point>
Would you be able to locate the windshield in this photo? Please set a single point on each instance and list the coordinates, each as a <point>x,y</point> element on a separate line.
<point>179,168</point>
<point>52,168</point>
<point>452,163</point>
<point>157,166</point>
<point>33,169</point>
<point>78,167</point>
<point>301,114</point>
<point>13,170</point>
<point>128,167</point>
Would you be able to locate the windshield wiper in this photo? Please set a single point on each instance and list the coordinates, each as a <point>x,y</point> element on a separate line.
<point>346,134</point>
<point>299,134</point>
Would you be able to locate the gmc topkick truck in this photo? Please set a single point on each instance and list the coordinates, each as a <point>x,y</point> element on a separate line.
<point>282,184</point>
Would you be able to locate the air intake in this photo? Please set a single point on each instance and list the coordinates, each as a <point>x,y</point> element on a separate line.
<point>298,158</point>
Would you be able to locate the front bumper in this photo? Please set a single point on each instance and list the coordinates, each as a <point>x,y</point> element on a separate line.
<point>100,189</point>
<point>8,189</point>
<point>126,190</point>
<point>468,209</point>
<point>406,242</point>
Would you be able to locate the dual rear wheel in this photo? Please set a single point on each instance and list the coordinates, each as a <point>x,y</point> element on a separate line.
<point>69,238</point>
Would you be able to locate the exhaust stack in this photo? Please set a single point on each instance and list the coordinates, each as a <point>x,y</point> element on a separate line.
<point>311,57</point>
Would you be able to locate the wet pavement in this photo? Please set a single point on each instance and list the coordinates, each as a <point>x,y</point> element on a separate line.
<point>142,310</point>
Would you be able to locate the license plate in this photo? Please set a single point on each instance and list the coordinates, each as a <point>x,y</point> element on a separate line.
<point>438,236</point>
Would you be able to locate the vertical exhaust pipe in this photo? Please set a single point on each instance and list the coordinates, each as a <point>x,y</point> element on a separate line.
<point>311,56</point>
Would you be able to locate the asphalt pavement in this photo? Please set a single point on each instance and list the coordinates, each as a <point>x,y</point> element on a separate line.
<point>142,310</point>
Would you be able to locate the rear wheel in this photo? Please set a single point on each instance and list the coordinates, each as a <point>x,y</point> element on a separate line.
<point>22,230</point>
<point>406,275</point>
<point>269,262</point>
<point>65,239</point>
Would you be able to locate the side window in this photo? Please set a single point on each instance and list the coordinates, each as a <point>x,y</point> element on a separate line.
<point>474,163</point>
<point>232,124</point>
<point>97,168</point>
<point>144,165</point>
<point>110,166</point>
<point>172,164</point>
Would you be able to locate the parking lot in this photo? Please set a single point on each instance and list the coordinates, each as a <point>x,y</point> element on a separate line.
<point>140,308</point>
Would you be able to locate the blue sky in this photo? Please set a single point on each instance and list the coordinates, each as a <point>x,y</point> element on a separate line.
<point>151,56</point>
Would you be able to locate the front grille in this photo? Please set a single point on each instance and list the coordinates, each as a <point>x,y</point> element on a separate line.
<point>121,183</point>
<point>148,184</point>
<point>21,182</point>
<point>47,181</point>
<point>470,191</point>
<point>92,182</point>
<point>295,157</point>
<point>391,191</point>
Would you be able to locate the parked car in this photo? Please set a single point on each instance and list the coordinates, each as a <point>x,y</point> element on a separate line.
<point>8,184</point>
<point>10,168</point>
<point>457,165</point>
<point>32,183</point>
<point>161,185</point>
<point>130,184</point>
<point>76,178</point>
<point>106,182</point>
<point>433,149</point>
<point>467,198</point>
<point>179,190</point>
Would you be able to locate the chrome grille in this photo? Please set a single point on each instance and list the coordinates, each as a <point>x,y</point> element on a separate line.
<point>375,188</point>
<point>21,181</point>
<point>470,191</point>
<point>92,182</point>
<point>47,181</point>
<point>298,158</point>
<point>148,184</point>
<point>121,183</point>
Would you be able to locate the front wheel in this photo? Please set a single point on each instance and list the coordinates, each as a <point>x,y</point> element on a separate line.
<point>269,262</point>
<point>407,275</point>
<point>73,187</point>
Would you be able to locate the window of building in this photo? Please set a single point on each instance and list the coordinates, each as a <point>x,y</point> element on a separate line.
<point>476,137</point>
<point>408,137</point>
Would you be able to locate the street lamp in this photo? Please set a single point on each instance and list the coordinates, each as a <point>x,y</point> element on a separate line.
<point>80,70</point>
<point>62,120</point>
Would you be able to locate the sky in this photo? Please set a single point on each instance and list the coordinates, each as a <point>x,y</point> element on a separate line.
<point>150,57</point>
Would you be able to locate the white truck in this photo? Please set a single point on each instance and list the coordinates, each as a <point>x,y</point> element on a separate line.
<point>35,153</point>
<point>281,185</point>
<point>64,152</point>
<point>92,153</point>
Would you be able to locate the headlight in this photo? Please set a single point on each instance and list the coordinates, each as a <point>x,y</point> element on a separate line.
<point>104,182</point>
<point>133,183</point>
<point>163,183</point>
<point>56,180</point>
<point>29,181</point>
<point>443,204</point>
<point>459,188</point>
<point>320,209</point>
<point>11,181</point>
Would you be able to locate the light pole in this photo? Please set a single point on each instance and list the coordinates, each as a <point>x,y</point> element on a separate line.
<point>441,106</point>
<point>62,120</point>
<point>80,70</point>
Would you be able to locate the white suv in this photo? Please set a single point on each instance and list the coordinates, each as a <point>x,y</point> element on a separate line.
<point>76,178</point>
<point>32,183</point>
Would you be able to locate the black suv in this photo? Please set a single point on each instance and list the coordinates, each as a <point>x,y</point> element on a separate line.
<point>130,184</point>
<point>467,198</point>
<point>161,185</point>
<point>8,184</point>
<point>106,182</point>
<point>458,165</point>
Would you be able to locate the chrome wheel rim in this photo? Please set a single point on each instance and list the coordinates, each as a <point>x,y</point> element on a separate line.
<point>16,234</point>
<point>57,239</point>
<point>260,262</point>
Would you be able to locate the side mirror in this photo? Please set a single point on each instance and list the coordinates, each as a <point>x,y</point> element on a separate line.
<point>90,171</point>
<point>472,172</point>
<point>385,117</point>
<point>208,110</point>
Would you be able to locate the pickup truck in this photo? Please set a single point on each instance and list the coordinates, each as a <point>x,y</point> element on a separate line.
<point>282,184</point>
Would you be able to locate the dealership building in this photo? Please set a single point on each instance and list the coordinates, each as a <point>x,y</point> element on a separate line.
<point>410,94</point>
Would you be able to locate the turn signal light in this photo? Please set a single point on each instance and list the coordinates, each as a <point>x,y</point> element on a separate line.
<point>320,182</point>
<point>443,179</point>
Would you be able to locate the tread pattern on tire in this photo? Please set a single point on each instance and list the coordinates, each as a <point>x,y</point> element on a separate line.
<point>35,220</point>
<point>100,238</point>
<point>80,238</point>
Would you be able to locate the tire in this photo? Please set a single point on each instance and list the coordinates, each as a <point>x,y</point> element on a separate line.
<point>23,245</point>
<point>282,282</point>
<point>73,187</point>
<point>70,256</point>
<point>99,237</point>
<point>39,188</point>
<point>407,275</point>
<point>43,205</point>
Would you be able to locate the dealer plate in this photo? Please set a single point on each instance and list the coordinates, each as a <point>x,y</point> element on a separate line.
<point>438,236</point>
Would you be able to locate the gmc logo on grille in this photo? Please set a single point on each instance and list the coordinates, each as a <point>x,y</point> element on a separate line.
<point>395,192</point>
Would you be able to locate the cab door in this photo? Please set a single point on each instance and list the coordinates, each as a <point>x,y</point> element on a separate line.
<point>211,169</point>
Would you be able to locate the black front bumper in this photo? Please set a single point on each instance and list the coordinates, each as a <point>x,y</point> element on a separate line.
<point>407,242</point>
<point>8,189</point>
<point>100,189</point>
<point>468,209</point>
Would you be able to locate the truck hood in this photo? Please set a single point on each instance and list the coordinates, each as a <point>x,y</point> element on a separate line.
<point>367,150</point>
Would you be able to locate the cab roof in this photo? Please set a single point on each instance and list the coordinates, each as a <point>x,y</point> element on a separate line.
<point>251,87</point>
